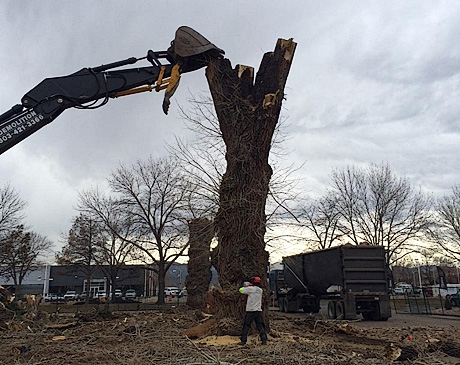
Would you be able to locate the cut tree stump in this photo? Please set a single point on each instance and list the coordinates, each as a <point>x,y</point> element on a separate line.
<point>199,264</point>
<point>248,111</point>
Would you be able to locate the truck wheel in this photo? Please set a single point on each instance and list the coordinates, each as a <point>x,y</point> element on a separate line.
<point>340,310</point>
<point>286,305</point>
<point>374,315</point>
<point>283,305</point>
<point>316,309</point>
<point>331,310</point>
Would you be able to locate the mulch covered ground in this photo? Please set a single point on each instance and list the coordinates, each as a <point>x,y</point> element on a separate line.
<point>99,337</point>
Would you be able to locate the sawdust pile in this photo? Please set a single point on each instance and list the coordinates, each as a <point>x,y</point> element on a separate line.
<point>155,338</point>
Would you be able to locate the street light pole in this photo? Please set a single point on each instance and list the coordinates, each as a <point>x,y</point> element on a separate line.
<point>419,274</point>
<point>179,275</point>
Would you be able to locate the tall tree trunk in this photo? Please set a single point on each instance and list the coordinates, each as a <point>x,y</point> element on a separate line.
<point>161,282</point>
<point>248,113</point>
<point>199,264</point>
<point>88,287</point>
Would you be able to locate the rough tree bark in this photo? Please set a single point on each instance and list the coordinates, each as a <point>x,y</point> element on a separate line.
<point>199,263</point>
<point>248,112</point>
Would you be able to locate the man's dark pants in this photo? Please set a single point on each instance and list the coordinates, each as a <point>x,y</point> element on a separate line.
<point>258,318</point>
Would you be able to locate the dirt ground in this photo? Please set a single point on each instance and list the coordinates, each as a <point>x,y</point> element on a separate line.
<point>155,338</point>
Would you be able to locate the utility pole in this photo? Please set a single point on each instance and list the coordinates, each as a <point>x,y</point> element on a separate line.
<point>419,274</point>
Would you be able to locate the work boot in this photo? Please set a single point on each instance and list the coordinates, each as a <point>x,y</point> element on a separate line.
<point>241,343</point>
<point>263,338</point>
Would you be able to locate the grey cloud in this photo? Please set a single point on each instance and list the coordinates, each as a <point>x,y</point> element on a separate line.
<point>370,82</point>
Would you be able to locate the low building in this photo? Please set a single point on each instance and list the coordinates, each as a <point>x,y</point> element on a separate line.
<point>33,282</point>
<point>60,279</point>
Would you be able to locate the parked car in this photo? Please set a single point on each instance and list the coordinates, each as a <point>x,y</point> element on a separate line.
<point>455,299</point>
<point>118,293</point>
<point>82,295</point>
<point>51,297</point>
<point>428,291</point>
<point>172,291</point>
<point>130,294</point>
<point>402,289</point>
<point>70,295</point>
<point>183,293</point>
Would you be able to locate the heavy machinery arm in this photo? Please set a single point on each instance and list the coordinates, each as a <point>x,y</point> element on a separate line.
<point>91,88</point>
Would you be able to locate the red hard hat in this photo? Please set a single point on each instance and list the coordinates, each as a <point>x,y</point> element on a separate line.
<point>256,279</point>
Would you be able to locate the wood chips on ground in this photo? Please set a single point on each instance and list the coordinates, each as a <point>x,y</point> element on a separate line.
<point>155,338</point>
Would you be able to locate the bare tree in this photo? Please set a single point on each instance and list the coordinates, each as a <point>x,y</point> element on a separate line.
<point>199,265</point>
<point>378,208</point>
<point>81,248</point>
<point>445,230</point>
<point>204,162</point>
<point>20,254</point>
<point>321,220</point>
<point>11,208</point>
<point>154,196</point>
<point>248,110</point>
<point>114,251</point>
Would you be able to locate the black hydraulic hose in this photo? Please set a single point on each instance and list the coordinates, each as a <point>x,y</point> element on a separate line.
<point>12,112</point>
<point>128,61</point>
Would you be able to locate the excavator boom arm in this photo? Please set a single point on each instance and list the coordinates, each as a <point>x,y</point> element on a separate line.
<point>91,88</point>
<point>83,89</point>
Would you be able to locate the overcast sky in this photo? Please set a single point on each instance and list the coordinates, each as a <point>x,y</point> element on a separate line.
<point>371,82</point>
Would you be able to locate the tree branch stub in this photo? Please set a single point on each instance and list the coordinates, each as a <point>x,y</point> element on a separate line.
<point>248,111</point>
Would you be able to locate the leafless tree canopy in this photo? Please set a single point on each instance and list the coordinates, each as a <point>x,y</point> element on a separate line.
<point>20,253</point>
<point>321,219</point>
<point>445,230</point>
<point>11,208</point>
<point>113,250</point>
<point>82,244</point>
<point>204,161</point>
<point>378,208</point>
<point>148,211</point>
<point>82,247</point>
<point>20,250</point>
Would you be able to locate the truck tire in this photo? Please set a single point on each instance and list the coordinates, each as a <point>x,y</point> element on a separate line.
<point>317,309</point>
<point>367,316</point>
<point>284,304</point>
<point>340,310</point>
<point>373,315</point>
<point>331,313</point>
<point>281,305</point>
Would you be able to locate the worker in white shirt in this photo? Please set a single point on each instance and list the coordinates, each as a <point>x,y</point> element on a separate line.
<point>253,310</point>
